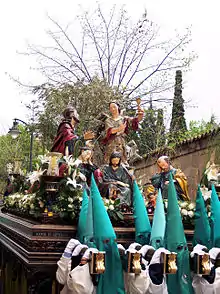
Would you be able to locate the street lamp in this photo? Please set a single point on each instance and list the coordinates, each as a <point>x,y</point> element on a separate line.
<point>14,132</point>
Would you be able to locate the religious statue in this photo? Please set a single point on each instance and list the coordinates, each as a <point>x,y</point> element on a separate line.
<point>211,176</point>
<point>116,180</point>
<point>150,194</point>
<point>132,152</point>
<point>116,128</point>
<point>66,138</point>
<point>87,167</point>
<point>161,179</point>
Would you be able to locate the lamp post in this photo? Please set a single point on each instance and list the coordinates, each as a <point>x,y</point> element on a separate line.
<point>14,132</point>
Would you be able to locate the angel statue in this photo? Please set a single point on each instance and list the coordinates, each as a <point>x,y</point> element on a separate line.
<point>132,152</point>
<point>211,176</point>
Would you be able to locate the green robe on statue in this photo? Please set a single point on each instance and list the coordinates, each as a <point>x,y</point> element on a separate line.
<point>159,182</point>
<point>110,176</point>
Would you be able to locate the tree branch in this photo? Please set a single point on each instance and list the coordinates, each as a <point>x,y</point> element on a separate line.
<point>139,62</point>
<point>74,47</point>
<point>35,51</point>
<point>159,65</point>
<point>66,53</point>
<point>96,46</point>
<point>107,40</point>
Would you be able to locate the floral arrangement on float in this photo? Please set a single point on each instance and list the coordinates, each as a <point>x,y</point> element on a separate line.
<point>187,208</point>
<point>187,211</point>
<point>45,195</point>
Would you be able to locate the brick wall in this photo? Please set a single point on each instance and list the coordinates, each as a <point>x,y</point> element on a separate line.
<point>191,157</point>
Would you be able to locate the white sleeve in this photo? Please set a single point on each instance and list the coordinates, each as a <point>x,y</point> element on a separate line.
<point>64,266</point>
<point>158,289</point>
<point>217,280</point>
<point>79,280</point>
<point>136,284</point>
<point>201,285</point>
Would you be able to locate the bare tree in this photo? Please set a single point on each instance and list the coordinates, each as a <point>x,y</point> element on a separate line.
<point>134,58</point>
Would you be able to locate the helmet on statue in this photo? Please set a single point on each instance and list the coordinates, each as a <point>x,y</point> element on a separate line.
<point>70,112</point>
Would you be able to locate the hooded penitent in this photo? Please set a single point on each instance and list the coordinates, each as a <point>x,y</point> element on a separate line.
<point>81,230</point>
<point>159,224</point>
<point>215,219</point>
<point>202,232</point>
<point>89,230</point>
<point>141,219</point>
<point>111,282</point>
<point>175,241</point>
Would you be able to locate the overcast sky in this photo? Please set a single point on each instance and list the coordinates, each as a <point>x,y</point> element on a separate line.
<point>25,20</point>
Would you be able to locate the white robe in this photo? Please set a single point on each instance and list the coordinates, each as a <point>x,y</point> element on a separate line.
<point>77,281</point>
<point>142,284</point>
<point>136,284</point>
<point>157,289</point>
<point>202,286</point>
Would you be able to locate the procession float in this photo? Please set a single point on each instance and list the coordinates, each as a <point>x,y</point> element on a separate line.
<point>41,209</point>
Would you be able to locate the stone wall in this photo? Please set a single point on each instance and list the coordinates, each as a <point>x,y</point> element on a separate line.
<point>191,156</point>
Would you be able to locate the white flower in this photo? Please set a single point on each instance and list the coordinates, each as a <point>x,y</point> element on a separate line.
<point>70,205</point>
<point>183,204</point>
<point>35,176</point>
<point>71,163</point>
<point>43,159</point>
<point>41,203</point>
<point>25,197</point>
<point>73,181</point>
<point>191,206</point>
<point>190,214</point>
<point>111,207</point>
<point>70,199</point>
<point>107,201</point>
<point>32,206</point>
<point>76,162</point>
<point>209,214</point>
<point>68,159</point>
<point>184,212</point>
<point>112,201</point>
<point>80,199</point>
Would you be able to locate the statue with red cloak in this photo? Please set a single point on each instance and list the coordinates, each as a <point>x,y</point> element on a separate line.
<point>66,137</point>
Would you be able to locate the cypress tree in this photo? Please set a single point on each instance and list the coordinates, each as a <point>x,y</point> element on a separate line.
<point>160,129</point>
<point>147,132</point>
<point>178,122</point>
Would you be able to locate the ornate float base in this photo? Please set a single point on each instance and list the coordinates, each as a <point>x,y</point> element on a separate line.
<point>30,251</point>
